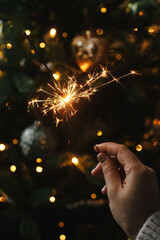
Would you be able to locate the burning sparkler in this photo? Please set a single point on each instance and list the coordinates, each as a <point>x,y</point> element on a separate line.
<point>62,99</point>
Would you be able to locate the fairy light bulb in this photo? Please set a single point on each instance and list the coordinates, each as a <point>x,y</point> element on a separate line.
<point>135,29</point>
<point>2,199</point>
<point>141,13</point>
<point>2,147</point>
<point>139,148</point>
<point>118,57</point>
<point>13,168</point>
<point>62,237</point>
<point>42,45</point>
<point>61,224</point>
<point>75,161</point>
<point>39,160</point>
<point>93,196</point>
<point>15,141</point>
<point>28,32</point>
<point>151,30</point>
<point>56,75</point>
<point>39,169</point>
<point>99,133</point>
<point>9,45</point>
<point>65,34</point>
<point>99,31</point>
<point>53,32</point>
<point>103,9</point>
<point>52,199</point>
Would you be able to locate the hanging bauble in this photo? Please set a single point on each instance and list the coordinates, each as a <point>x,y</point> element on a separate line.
<point>24,83</point>
<point>88,50</point>
<point>37,141</point>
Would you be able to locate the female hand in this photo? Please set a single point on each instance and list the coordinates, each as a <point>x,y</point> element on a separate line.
<point>134,195</point>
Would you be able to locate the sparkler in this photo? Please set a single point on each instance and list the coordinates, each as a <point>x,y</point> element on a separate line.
<point>63,98</point>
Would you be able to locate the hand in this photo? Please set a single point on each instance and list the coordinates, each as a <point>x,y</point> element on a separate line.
<point>133,191</point>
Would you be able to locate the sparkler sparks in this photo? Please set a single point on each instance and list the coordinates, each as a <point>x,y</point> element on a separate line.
<point>63,99</point>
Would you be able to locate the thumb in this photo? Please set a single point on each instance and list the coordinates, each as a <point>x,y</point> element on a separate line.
<point>111,174</point>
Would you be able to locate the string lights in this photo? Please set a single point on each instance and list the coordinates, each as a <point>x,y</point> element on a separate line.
<point>75,161</point>
<point>52,32</point>
<point>2,147</point>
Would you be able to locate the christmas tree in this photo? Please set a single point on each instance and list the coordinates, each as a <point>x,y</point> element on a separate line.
<point>46,148</point>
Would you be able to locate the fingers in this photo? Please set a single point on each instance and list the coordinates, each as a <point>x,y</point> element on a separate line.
<point>97,171</point>
<point>123,154</point>
<point>111,174</point>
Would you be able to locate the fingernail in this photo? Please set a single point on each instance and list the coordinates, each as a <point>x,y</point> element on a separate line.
<point>97,148</point>
<point>92,170</point>
<point>101,158</point>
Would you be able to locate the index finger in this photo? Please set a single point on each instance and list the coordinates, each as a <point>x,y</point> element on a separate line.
<point>121,152</point>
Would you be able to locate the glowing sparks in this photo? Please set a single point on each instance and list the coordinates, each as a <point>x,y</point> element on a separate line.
<point>63,98</point>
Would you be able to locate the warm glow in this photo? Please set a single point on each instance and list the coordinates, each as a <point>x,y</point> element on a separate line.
<point>39,160</point>
<point>146,136</point>
<point>61,224</point>
<point>139,148</point>
<point>39,169</point>
<point>2,147</point>
<point>99,133</point>
<point>2,199</point>
<point>118,57</point>
<point>103,9</point>
<point>15,141</point>
<point>151,30</point>
<point>28,32</point>
<point>84,66</point>
<point>1,55</point>
<point>75,161</point>
<point>67,98</point>
<point>1,73</point>
<point>155,121</point>
<point>32,51</point>
<point>56,75</point>
<point>52,199</point>
<point>52,32</point>
<point>99,31</point>
<point>9,45</point>
<point>141,13</point>
<point>62,237</point>
<point>155,143</point>
<point>93,196</point>
<point>12,168</point>
<point>64,34</point>
<point>42,45</point>
<point>135,29</point>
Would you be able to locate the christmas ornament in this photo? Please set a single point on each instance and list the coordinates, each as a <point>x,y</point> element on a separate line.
<point>37,141</point>
<point>24,83</point>
<point>88,50</point>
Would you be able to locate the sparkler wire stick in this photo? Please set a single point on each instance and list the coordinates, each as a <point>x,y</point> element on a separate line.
<point>40,57</point>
